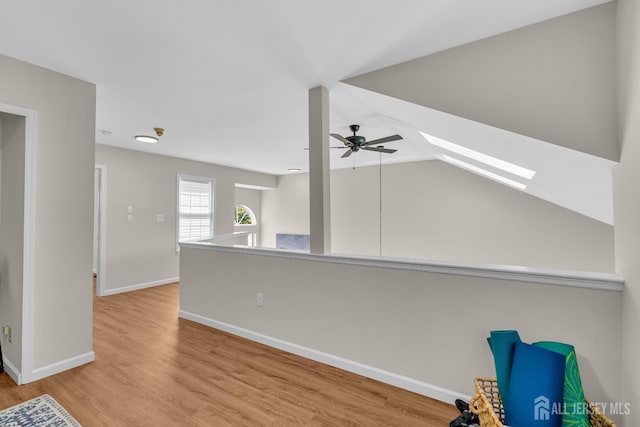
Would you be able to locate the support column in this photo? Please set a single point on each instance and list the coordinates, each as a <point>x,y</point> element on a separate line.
<point>319,191</point>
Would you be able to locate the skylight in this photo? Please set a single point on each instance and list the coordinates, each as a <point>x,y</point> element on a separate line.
<point>484,172</point>
<point>480,157</point>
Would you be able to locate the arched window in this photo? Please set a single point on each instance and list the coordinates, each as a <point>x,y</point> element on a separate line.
<point>245,220</point>
<point>244,216</point>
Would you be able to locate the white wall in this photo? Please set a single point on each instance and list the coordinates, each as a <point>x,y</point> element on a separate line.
<point>285,210</point>
<point>432,210</point>
<point>553,81</point>
<point>143,252</point>
<point>65,135</point>
<point>426,326</point>
<point>12,169</point>
<point>460,216</point>
<point>627,197</point>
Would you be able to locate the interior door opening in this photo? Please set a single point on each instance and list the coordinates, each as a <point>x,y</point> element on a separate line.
<point>99,226</point>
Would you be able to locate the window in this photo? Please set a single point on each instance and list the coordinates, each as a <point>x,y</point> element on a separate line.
<point>245,220</point>
<point>244,216</point>
<point>195,208</point>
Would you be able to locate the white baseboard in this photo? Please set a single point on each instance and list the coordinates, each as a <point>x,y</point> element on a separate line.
<point>11,369</point>
<point>140,286</point>
<point>63,365</point>
<point>381,375</point>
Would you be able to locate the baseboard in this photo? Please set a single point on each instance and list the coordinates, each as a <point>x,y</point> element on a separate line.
<point>11,370</point>
<point>381,375</point>
<point>63,365</point>
<point>140,286</point>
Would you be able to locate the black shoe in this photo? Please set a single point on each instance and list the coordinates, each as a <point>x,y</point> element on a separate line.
<point>462,405</point>
<point>466,419</point>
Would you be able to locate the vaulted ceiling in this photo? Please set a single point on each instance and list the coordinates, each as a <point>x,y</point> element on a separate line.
<point>228,79</point>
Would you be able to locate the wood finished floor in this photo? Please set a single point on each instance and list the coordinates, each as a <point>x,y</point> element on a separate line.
<point>153,369</point>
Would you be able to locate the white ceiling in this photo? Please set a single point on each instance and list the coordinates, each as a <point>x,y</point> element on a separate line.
<point>228,79</point>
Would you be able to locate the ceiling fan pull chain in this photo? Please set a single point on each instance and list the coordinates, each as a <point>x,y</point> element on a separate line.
<point>380,199</point>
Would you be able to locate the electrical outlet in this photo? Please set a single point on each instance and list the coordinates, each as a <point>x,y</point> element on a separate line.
<point>260,299</point>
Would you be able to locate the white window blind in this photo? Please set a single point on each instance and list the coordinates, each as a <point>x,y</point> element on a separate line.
<point>195,208</point>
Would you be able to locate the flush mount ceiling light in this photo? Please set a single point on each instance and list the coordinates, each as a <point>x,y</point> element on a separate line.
<point>146,138</point>
<point>294,170</point>
<point>150,139</point>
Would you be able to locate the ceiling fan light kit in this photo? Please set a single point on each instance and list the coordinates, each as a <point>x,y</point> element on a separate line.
<point>355,143</point>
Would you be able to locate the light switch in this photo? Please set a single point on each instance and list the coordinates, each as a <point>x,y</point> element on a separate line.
<point>129,218</point>
<point>159,218</point>
<point>130,209</point>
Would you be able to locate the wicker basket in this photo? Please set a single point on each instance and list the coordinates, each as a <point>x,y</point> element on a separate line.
<point>487,404</point>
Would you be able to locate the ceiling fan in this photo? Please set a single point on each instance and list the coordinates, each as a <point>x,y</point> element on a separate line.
<point>355,142</point>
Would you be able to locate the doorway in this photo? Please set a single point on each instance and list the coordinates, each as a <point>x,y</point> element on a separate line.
<point>17,224</point>
<point>99,228</point>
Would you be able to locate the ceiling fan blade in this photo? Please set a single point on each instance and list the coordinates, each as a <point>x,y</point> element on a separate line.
<point>382,140</point>
<point>347,154</point>
<point>342,139</point>
<point>379,149</point>
<point>339,148</point>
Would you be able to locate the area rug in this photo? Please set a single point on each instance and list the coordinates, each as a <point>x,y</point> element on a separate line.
<point>42,411</point>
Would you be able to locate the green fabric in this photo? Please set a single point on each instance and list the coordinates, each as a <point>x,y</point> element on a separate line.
<point>574,413</point>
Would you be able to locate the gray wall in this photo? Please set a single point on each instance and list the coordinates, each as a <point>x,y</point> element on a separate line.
<point>627,197</point>
<point>12,169</point>
<point>65,135</point>
<point>432,210</point>
<point>426,326</point>
<point>143,252</point>
<point>554,81</point>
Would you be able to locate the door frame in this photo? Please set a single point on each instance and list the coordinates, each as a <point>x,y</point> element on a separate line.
<point>102,228</point>
<point>26,369</point>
